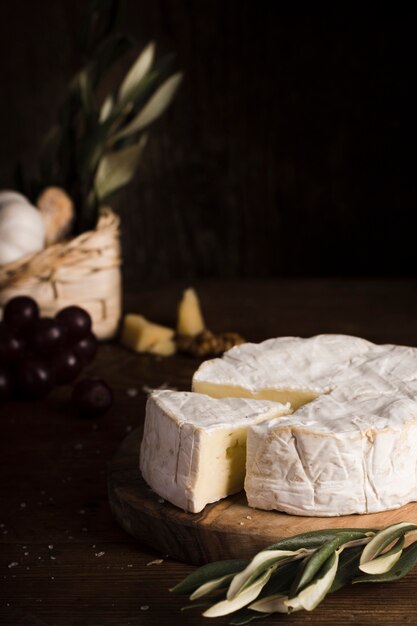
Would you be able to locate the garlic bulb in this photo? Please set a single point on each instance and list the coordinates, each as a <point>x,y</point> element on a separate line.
<point>22,229</point>
<point>6,197</point>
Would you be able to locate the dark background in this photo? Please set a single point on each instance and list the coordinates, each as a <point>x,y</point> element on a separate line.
<point>289,150</point>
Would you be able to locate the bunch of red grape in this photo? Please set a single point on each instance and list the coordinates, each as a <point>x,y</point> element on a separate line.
<point>37,353</point>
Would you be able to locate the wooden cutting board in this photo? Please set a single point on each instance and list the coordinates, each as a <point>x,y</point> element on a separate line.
<point>227,529</point>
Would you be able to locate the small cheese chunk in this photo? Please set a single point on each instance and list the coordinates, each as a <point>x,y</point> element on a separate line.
<point>166,347</point>
<point>190,318</point>
<point>193,449</point>
<point>143,336</point>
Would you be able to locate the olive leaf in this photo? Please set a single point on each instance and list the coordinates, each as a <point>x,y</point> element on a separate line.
<point>210,586</point>
<point>106,108</point>
<point>137,72</point>
<point>313,594</point>
<point>261,562</point>
<point>154,107</point>
<point>348,568</point>
<point>224,607</point>
<point>95,148</point>
<point>385,561</point>
<point>108,52</point>
<point>116,169</point>
<point>404,565</point>
<point>208,572</point>
<point>316,561</point>
<point>281,580</point>
<point>383,539</point>
<point>316,538</point>
<point>308,598</point>
<point>244,616</point>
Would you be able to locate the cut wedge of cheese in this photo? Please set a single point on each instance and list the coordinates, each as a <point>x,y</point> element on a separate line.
<point>193,450</point>
<point>143,336</point>
<point>335,458</point>
<point>190,317</point>
<point>351,445</point>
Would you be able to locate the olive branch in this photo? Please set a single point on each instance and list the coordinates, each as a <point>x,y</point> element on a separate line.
<point>297,573</point>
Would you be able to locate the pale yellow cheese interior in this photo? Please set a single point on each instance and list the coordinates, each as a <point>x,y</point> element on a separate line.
<point>222,465</point>
<point>190,317</point>
<point>166,347</point>
<point>295,397</point>
<point>143,336</point>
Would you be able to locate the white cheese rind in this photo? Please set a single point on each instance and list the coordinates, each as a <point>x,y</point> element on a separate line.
<point>352,449</point>
<point>283,363</point>
<point>302,467</point>
<point>193,449</point>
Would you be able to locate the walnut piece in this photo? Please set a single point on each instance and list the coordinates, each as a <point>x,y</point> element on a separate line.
<point>208,343</point>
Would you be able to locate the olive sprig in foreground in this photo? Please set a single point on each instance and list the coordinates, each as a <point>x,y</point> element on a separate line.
<point>299,572</point>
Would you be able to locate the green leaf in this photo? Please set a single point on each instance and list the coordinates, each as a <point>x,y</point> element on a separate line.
<point>383,538</point>
<point>139,69</point>
<point>311,596</point>
<point>316,561</point>
<point>153,108</point>
<point>208,572</point>
<point>259,564</point>
<point>317,538</point>
<point>404,565</point>
<point>308,598</point>
<point>281,579</point>
<point>224,607</point>
<point>109,51</point>
<point>106,108</point>
<point>244,616</point>
<point>207,602</point>
<point>210,586</point>
<point>86,93</point>
<point>116,169</point>
<point>278,603</point>
<point>348,567</point>
<point>385,561</point>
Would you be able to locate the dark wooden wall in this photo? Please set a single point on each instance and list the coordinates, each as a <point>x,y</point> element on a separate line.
<point>290,149</point>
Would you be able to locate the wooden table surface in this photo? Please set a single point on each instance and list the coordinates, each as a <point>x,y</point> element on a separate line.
<point>63,559</point>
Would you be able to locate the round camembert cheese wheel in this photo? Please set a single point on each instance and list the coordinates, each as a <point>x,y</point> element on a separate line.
<point>350,445</point>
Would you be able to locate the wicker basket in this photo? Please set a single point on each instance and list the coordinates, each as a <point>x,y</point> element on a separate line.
<point>84,271</point>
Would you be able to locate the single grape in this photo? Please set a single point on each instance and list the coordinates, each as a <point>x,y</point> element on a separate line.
<point>92,396</point>
<point>35,378</point>
<point>20,314</point>
<point>67,365</point>
<point>12,347</point>
<point>76,321</point>
<point>48,336</point>
<point>86,348</point>
<point>6,384</point>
